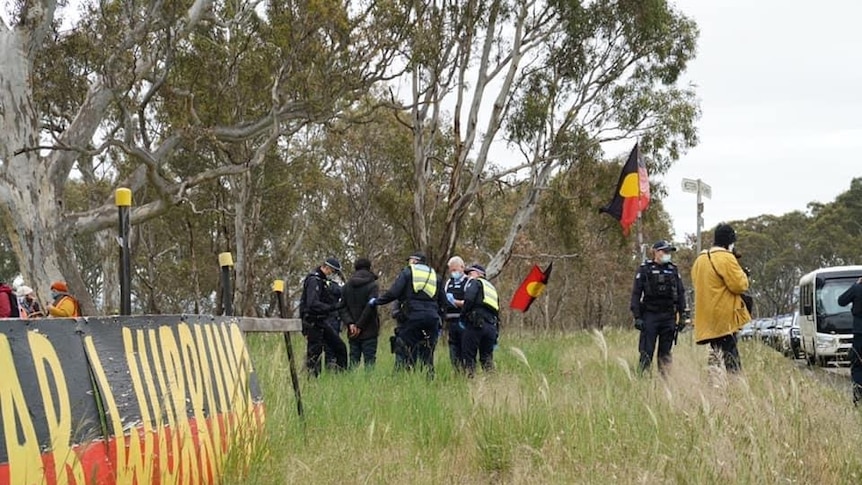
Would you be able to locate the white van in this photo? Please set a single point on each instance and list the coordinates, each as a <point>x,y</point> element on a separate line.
<point>826,328</point>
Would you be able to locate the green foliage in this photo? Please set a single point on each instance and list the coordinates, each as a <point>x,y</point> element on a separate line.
<point>8,263</point>
<point>561,409</point>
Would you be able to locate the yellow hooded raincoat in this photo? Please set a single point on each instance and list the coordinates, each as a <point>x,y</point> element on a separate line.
<point>719,309</point>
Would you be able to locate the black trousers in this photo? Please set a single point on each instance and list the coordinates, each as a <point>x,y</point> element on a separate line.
<point>318,336</point>
<point>455,334</point>
<point>481,339</point>
<point>856,366</point>
<point>415,341</point>
<point>659,328</point>
<point>365,349</point>
<point>724,350</point>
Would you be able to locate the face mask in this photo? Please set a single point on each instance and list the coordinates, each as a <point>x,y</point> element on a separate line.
<point>54,294</point>
<point>457,275</point>
<point>731,247</point>
<point>665,258</point>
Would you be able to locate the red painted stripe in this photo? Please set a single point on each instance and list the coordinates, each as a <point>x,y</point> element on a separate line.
<point>98,458</point>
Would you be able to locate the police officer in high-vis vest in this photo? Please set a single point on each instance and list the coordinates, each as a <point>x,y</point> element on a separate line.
<point>455,297</point>
<point>481,315</point>
<point>658,304</point>
<point>423,299</point>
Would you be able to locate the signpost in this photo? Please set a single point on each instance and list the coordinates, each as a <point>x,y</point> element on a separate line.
<point>702,190</point>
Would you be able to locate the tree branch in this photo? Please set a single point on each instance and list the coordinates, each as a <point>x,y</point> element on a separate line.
<point>36,18</point>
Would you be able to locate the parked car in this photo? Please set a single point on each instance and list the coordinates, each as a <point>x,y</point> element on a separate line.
<point>796,343</point>
<point>747,331</point>
<point>781,336</point>
<point>764,329</point>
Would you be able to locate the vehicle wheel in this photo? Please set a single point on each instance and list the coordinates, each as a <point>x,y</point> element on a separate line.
<point>811,358</point>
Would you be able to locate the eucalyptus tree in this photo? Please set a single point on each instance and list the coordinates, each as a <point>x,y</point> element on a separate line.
<point>548,79</point>
<point>123,82</point>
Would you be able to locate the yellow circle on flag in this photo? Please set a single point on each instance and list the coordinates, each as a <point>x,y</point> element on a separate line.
<point>535,288</point>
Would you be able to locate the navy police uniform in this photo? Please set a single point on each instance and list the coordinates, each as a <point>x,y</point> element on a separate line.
<point>318,308</point>
<point>658,296</point>
<point>422,299</point>
<point>853,296</point>
<point>481,315</point>
<point>454,325</point>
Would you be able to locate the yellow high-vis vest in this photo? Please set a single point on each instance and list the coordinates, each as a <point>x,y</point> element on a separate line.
<point>424,279</point>
<point>491,299</point>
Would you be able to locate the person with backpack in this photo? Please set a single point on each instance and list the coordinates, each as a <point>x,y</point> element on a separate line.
<point>8,301</point>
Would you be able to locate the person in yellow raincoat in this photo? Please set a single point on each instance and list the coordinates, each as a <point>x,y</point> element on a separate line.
<point>719,282</point>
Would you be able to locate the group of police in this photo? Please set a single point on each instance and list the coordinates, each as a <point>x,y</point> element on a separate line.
<point>466,306</point>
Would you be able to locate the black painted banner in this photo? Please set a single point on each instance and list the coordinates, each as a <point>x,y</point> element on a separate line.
<point>149,399</point>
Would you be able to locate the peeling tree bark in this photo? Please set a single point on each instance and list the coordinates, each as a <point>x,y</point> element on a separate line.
<point>31,206</point>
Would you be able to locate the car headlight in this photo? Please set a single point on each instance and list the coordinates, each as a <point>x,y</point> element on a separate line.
<point>825,341</point>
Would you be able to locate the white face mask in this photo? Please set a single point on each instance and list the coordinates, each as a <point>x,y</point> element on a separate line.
<point>665,258</point>
<point>731,247</point>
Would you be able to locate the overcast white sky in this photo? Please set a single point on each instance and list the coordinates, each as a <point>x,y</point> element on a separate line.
<point>779,83</point>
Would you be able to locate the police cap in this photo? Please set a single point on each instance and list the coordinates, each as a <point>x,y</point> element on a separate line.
<point>663,246</point>
<point>477,268</point>
<point>419,256</point>
<point>334,264</point>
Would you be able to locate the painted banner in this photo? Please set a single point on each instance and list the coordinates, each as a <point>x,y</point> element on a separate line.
<point>125,400</point>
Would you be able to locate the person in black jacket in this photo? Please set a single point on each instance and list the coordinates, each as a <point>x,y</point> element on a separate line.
<point>854,295</point>
<point>481,312</point>
<point>317,307</point>
<point>423,299</point>
<point>363,324</point>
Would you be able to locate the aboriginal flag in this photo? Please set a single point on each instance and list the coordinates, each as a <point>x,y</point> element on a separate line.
<point>632,195</point>
<point>530,289</point>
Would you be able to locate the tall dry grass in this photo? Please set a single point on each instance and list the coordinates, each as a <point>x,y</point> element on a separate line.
<point>560,409</point>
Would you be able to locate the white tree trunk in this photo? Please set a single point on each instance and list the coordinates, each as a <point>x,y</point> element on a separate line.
<point>31,212</point>
<point>109,249</point>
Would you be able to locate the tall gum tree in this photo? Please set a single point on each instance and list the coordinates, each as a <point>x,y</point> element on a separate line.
<point>550,79</point>
<point>126,53</point>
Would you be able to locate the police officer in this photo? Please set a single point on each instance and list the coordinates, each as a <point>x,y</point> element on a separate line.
<point>658,302</point>
<point>422,299</point>
<point>481,312</point>
<point>455,298</point>
<point>318,309</point>
<point>853,295</point>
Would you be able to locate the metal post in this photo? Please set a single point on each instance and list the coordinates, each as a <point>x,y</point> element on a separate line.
<point>225,260</point>
<point>699,214</point>
<point>278,288</point>
<point>702,190</point>
<point>123,201</point>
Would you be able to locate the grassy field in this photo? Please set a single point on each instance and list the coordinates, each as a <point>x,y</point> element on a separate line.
<point>560,410</point>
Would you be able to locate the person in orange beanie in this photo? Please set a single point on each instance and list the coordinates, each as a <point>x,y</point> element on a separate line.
<point>64,305</point>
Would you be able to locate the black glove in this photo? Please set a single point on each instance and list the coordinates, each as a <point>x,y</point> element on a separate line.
<point>639,324</point>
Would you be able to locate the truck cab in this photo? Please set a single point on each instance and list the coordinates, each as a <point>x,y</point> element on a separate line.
<point>826,328</point>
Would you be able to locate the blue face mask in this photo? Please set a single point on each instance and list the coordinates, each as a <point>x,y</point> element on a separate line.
<point>457,275</point>
<point>54,294</point>
<point>665,258</point>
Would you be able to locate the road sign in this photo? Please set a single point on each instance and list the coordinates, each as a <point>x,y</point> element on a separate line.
<point>690,185</point>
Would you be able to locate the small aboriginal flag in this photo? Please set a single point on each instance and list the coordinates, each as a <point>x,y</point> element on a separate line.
<point>530,289</point>
<point>632,196</point>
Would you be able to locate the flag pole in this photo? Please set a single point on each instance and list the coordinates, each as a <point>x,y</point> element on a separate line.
<point>641,248</point>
